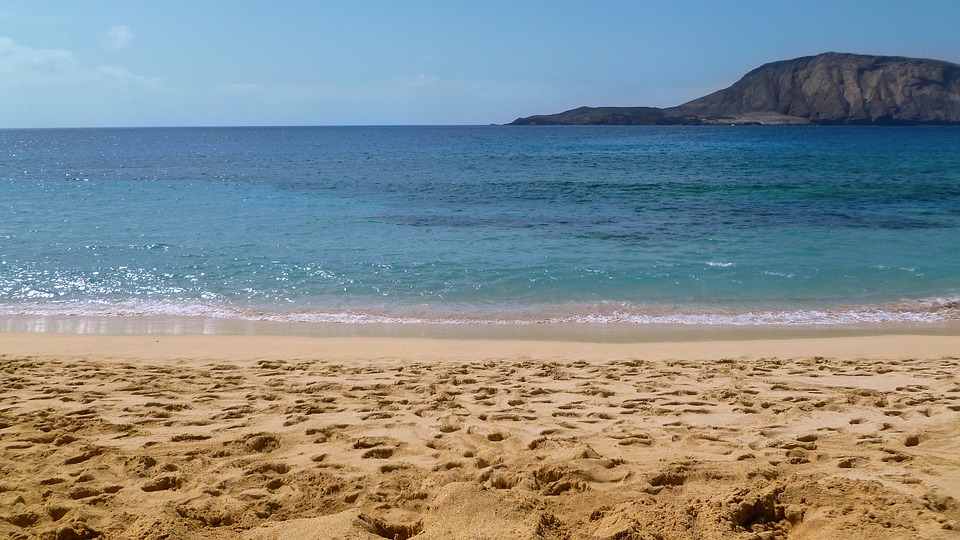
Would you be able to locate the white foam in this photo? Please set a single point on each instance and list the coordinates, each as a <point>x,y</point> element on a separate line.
<point>929,310</point>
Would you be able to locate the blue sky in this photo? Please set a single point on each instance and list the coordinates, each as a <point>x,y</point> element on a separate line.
<point>216,62</point>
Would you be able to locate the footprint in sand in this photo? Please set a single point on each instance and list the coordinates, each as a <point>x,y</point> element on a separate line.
<point>261,442</point>
<point>163,483</point>
<point>382,452</point>
<point>376,447</point>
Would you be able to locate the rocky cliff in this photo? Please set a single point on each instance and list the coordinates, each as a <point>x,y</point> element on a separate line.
<point>830,88</point>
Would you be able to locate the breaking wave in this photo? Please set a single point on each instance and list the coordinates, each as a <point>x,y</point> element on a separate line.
<point>929,310</point>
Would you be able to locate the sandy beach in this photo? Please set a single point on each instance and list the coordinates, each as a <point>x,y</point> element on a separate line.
<point>272,437</point>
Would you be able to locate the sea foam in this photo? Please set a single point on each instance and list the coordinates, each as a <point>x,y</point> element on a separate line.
<point>915,311</point>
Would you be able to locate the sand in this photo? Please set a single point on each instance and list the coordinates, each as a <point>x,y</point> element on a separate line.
<point>270,437</point>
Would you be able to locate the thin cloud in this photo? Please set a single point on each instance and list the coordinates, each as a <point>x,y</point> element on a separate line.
<point>411,99</point>
<point>118,37</point>
<point>55,88</point>
<point>426,87</point>
<point>23,66</point>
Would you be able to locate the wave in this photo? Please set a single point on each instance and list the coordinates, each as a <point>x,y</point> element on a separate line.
<point>928,310</point>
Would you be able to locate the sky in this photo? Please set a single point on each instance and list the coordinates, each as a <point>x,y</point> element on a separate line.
<point>86,63</point>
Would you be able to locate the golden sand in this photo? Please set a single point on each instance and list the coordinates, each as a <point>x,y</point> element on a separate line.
<point>223,437</point>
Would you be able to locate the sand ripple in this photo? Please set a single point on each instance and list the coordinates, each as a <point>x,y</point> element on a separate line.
<point>500,448</point>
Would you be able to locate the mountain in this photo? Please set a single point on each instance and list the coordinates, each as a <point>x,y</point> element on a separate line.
<point>830,88</point>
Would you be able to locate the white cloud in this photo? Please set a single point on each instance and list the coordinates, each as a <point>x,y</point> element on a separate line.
<point>52,87</point>
<point>118,37</point>
<point>117,75</point>
<point>23,66</point>
<point>55,87</point>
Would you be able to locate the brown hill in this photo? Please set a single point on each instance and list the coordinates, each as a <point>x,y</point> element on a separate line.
<point>830,88</point>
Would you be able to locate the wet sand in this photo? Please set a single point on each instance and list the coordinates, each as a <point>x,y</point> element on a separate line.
<point>264,437</point>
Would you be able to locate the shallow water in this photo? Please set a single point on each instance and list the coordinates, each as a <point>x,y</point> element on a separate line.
<point>658,225</point>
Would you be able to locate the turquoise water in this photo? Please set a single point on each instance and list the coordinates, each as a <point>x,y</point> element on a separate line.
<point>746,225</point>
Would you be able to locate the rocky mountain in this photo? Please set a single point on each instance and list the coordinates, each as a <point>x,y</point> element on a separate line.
<point>830,88</point>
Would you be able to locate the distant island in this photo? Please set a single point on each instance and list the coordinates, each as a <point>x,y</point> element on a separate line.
<point>827,89</point>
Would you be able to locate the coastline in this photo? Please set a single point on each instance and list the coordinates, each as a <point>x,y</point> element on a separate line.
<point>615,332</point>
<point>439,342</point>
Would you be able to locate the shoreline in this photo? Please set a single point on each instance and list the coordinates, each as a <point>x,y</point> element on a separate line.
<point>432,346</point>
<point>231,340</point>
<point>612,332</point>
<point>163,314</point>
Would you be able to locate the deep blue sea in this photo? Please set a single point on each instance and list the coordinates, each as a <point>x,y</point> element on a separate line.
<point>736,225</point>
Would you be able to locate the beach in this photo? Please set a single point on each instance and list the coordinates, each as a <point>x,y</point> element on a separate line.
<point>269,437</point>
<point>318,285</point>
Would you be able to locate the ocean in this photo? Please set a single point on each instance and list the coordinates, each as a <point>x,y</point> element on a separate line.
<point>751,226</point>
